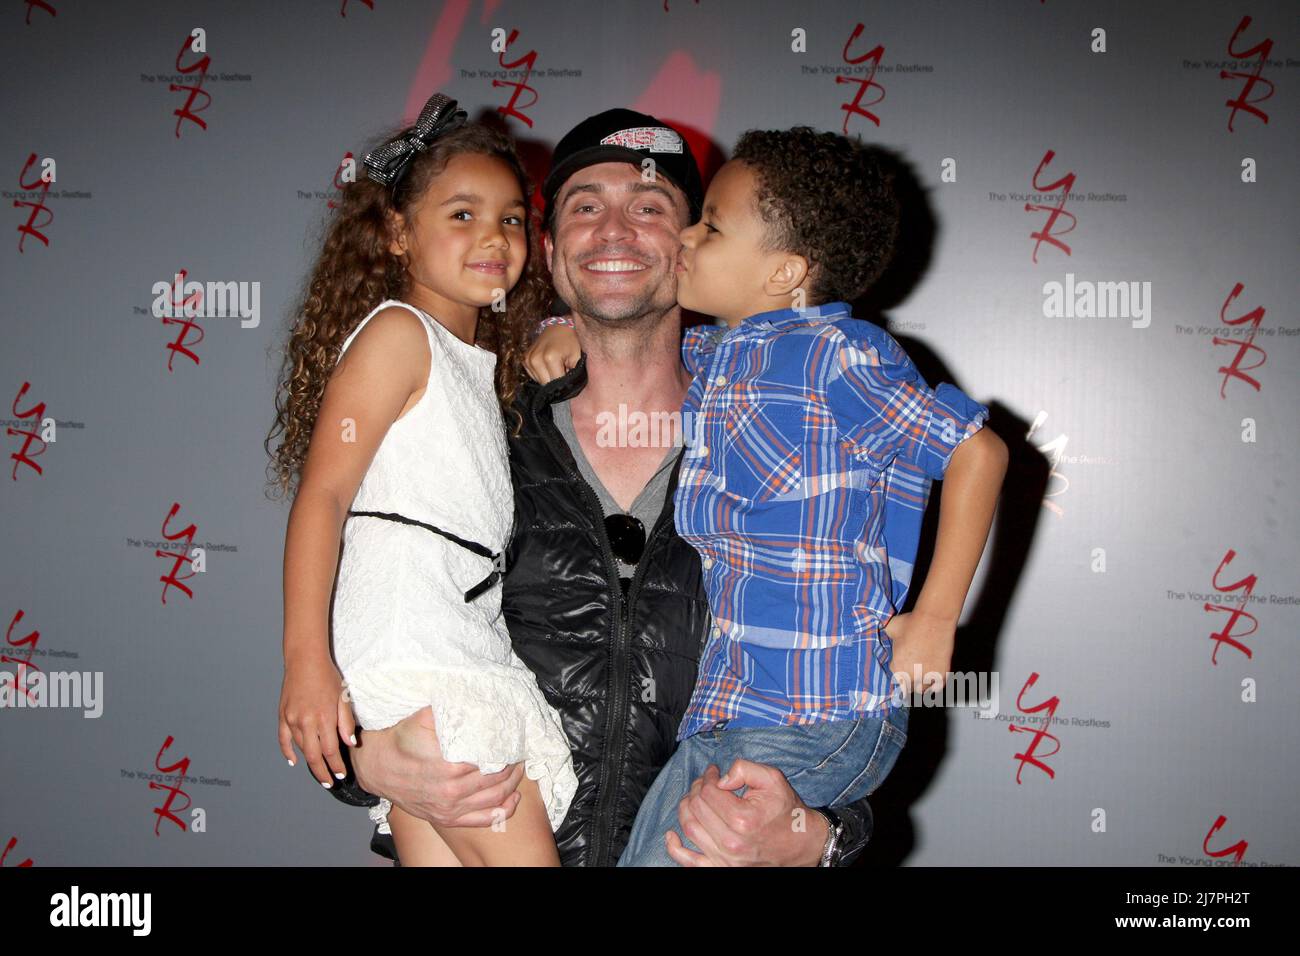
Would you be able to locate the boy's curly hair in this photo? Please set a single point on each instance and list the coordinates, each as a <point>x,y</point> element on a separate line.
<point>354,272</point>
<point>827,198</point>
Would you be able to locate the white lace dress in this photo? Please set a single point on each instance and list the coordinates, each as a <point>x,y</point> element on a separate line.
<point>404,635</point>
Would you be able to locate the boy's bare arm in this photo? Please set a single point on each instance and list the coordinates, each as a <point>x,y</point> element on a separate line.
<point>968,498</point>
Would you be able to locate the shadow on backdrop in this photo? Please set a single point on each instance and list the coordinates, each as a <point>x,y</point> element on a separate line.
<point>1007,552</point>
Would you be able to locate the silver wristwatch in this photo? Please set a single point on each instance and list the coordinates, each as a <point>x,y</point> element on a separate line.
<point>834,831</point>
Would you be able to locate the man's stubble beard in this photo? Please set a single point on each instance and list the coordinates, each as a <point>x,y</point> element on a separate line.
<point>618,313</point>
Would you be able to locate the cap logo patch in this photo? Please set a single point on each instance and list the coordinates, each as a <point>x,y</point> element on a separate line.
<point>657,139</point>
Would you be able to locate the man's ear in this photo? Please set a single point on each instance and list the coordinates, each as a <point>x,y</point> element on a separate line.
<point>548,248</point>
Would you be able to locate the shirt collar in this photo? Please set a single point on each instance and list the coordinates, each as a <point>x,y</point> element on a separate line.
<point>766,323</point>
<point>777,319</point>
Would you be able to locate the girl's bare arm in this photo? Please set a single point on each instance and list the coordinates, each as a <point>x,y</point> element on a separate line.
<point>377,378</point>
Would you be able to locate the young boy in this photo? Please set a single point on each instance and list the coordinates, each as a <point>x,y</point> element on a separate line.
<point>813,441</point>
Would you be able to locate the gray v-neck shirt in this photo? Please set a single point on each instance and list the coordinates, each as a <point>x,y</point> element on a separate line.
<point>649,504</point>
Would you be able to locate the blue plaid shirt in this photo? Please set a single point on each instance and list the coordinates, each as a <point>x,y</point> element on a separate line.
<point>811,444</point>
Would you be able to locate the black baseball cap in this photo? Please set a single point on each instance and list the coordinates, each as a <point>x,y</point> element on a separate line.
<point>626,136</point>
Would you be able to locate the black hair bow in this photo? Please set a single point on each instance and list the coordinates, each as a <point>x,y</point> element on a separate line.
<point>386,164</point>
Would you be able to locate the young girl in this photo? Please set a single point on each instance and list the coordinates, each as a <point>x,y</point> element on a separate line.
<point>393,438</point>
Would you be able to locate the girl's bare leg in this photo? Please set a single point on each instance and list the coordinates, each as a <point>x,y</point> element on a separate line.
<point>418,843</point>
<point>524,839</point>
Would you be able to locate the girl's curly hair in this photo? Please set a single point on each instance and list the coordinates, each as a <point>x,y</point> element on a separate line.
<point>355,271</point>
<point>827,198</point>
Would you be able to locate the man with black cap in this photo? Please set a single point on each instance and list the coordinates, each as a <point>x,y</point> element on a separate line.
<point>604,601</point>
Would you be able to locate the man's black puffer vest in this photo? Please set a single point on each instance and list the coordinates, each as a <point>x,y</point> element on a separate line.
<point>619,668</point>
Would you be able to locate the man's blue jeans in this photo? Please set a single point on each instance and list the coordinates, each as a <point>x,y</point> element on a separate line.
<point>828,764</point>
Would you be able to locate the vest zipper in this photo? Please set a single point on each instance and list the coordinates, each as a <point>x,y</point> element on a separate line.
<point>633,591</point>
<point>618,706</point>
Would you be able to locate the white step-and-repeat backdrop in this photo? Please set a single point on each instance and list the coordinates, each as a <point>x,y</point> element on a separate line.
<point>1101,244</point>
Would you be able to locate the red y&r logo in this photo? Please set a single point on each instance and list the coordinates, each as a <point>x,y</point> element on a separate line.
<point>186,536</point>
<point>13,842</point>
<point>37,414</point>
<point>856,108</point>
<point>531,59</point>
<point>180,768</point>
<point>34,4</point>
<point>1065,184</point>
<point>343,7</point>
<point>1235,612</point>
<point>344,174</point>
<point>1238,849</point>
<point>1243,101</point>
<point>1236,370</point>
<point>23,663</point>
<point>182,314</point>
<point>195,40</point>
<point>1030,755</point>
<point>32,227</point>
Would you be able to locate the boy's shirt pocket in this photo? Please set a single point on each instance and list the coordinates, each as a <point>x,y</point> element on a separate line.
<point>762,450</point>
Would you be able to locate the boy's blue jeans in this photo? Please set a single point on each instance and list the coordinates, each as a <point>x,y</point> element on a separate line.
<point>828,764</point>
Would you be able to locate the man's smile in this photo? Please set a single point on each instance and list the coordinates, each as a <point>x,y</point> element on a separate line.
<point>614,266</point>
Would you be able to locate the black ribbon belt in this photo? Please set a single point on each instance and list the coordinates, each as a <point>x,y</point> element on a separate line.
<point>473,546</point>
